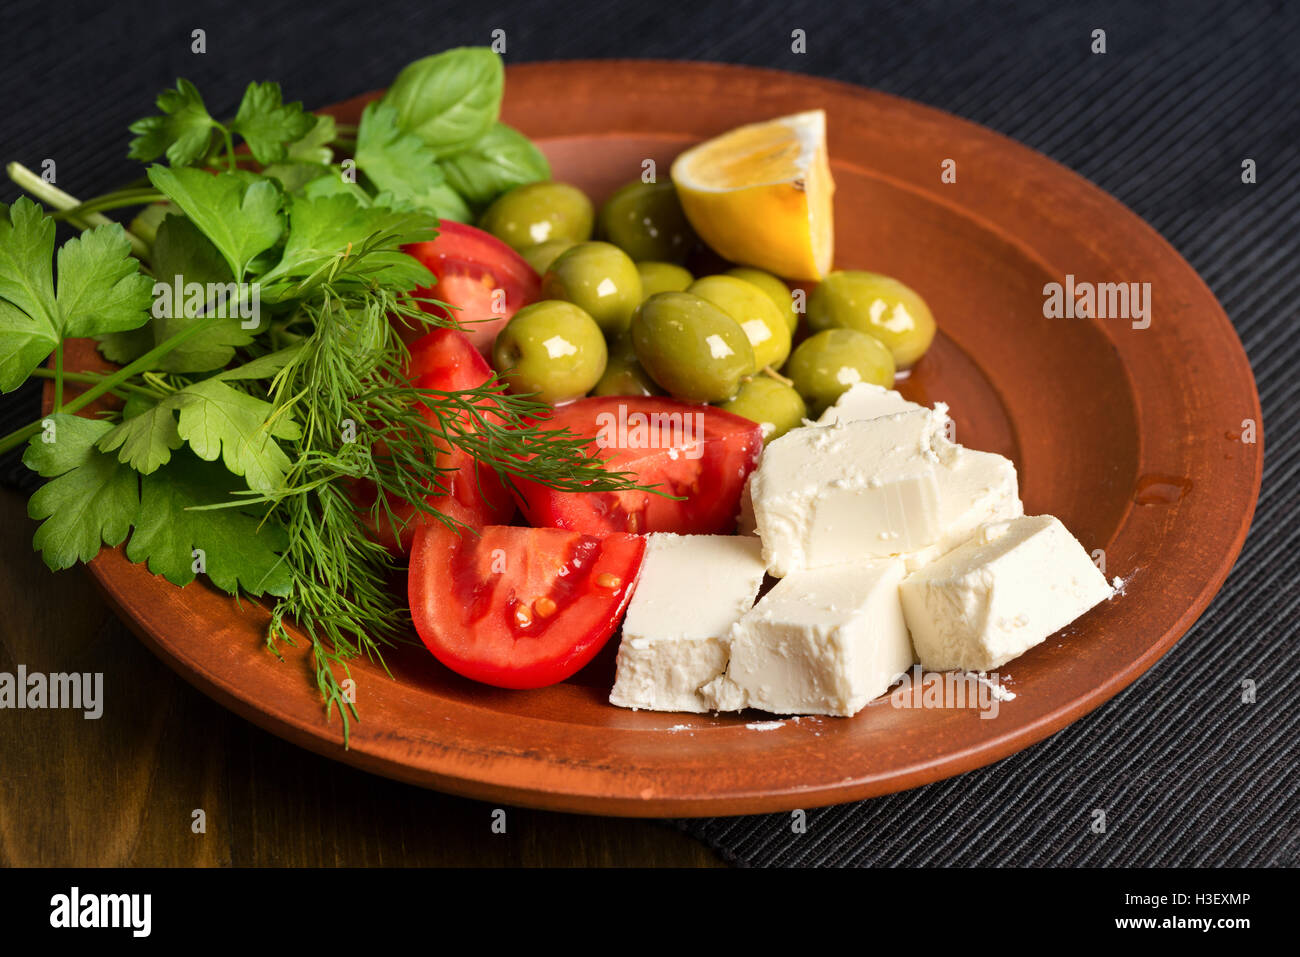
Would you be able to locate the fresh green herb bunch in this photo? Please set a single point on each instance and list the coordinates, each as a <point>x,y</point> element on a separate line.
<point>260,378</point>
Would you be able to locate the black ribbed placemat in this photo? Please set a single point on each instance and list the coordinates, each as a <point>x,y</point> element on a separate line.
<point>1186,772</point>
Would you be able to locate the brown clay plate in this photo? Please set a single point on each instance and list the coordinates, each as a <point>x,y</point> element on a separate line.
<point>1130,436</point>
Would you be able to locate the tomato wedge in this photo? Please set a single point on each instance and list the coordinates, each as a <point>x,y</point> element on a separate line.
<point>484,279</point>
<point>697,452</point>
<point>519,607</point>
<point>448,360</point>
<point>445,359</point>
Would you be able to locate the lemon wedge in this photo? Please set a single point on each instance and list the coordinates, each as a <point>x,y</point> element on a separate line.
<point>760,195</point>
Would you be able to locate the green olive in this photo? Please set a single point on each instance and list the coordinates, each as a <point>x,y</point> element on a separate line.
<point>877,305</point>
<point>551,348</point>
<point>542,255</point>
<point>538,213</point>
<point>776,290</point>
<point>601,279</point>
<point>756,313</point>
<point>775,406</point>
<point>646,221</point>
<point>662,277</point>
<point>691,347</point>
<point>826,364</point>
<point>623,374</point>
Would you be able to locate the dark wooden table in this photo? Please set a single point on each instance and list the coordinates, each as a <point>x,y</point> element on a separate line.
<point>122,790</point>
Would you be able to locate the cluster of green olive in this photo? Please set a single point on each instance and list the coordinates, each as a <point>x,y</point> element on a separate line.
<point>622,316</point>
<point>541,221</point>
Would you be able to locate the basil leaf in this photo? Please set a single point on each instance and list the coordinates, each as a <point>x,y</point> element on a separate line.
<point>500,160</point>
<point>442,201</point>
<point>394,160</point>
<point>450,99</point>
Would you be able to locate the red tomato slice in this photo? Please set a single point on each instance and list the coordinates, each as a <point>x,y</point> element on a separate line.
<point>695,451</point>
<point>519,607</point>
<point>477,498</point>
<point>445,359</point>
<point>448,359</point>
<point>471,267</point>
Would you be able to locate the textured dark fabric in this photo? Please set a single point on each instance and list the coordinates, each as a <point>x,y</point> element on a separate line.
<point>1187,773</point>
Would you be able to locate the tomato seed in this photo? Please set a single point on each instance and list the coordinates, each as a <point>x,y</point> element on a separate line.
<point>522,618</point>
<point>606,580</point>
<point>544,607</point>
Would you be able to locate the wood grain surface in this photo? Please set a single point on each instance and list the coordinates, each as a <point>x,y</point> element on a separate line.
<point>121,790</point>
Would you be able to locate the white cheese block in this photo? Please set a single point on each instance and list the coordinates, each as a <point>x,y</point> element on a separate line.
<point>691,590</point>
<point>974,488</point>
<point>865,489</point>
<point>999,594</point>
<point>823,641</point>
<point>863,400</point>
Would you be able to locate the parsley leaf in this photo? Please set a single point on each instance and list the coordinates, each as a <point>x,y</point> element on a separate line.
<point>335,185</point>
<point>322,227</point>
<point>313,146</point>
<point>263,367</point>
<point>403,168</point>
<point>26,248</point>
<point>29,328</point>
<point>239,213</point>
<point>183,132</point>
<point>91,498</point>
<point>293,174</point>
<point>239,552</point>
<point>147,435</point>
<point>267,124</point>
<point>124,347</point>
<point>218,420</point>
<point>100,288</point>
<point>184,256</point>
<point>25,345</point>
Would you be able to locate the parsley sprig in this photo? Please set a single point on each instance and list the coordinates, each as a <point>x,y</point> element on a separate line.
<point>232,448</point>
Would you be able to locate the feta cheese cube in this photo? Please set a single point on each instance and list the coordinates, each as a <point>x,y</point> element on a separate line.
<point>864,400</point>
<point>1002,592</point>
<point>823,641</point>
<point>974,488</point>
<point>692,589</point>
<point>864,489</point>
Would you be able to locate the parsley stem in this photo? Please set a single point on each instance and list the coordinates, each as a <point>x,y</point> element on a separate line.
<point>58,376</point>
<point>94,378</point>
<point>51,195</point>
<point>230,148</point>
<point>107,384</point>
<point>126,197</point>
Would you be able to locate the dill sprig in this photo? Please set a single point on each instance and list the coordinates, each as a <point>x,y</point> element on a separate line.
<point>346,386</point>
<point>292,231</point>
